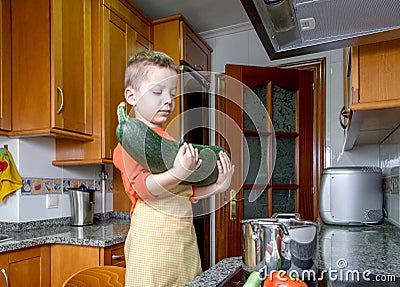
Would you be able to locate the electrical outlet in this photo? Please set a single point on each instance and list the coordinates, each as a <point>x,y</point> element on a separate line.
<point>51,201</point>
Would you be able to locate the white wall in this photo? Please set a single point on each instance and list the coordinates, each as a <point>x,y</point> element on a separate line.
<point>33,157</point>
<point>240,45</point>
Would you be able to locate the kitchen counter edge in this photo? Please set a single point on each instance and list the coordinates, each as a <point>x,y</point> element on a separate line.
<point>101,234</point>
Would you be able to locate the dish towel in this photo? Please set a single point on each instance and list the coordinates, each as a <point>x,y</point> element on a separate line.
<point>10,179</point>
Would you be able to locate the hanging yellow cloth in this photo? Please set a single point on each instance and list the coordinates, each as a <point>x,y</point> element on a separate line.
<point>10,180</point>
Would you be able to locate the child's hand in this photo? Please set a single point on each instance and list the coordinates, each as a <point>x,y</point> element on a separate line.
<point>186,161</point>
<point>225,172</point>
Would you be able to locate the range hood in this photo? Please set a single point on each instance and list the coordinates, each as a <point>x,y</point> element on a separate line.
<point>290,28</point>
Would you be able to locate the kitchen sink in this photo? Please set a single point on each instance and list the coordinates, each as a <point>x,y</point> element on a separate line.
<point>5,237</point>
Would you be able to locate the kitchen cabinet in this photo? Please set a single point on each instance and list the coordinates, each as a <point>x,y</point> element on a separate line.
<point>120,42</point>
<point>114,255</point>
<point>52,68</point>
<point>83,257</point>
<point>119,31</point>
<point>5,66</point>
<point>4,270</point>
<point>375,80</point>
<point>26,267</point>
<point>375,86</point>
<point>174,36</point>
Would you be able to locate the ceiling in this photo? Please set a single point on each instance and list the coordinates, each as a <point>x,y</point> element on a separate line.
<point>203,15</point>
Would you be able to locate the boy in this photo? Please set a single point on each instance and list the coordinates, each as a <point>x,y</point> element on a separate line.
<point>161,247</point>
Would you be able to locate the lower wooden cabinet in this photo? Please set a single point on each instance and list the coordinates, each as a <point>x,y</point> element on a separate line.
<point>26,267</point>
<point>4,270</point>
<point>114,255</point>
<point>52,265</point>
<point>66,260</point>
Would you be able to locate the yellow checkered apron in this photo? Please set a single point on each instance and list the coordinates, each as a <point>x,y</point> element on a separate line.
<point>161,247</point>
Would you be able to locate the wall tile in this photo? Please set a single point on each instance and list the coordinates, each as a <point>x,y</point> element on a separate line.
<point>33,157</point>
<point>389,152</point>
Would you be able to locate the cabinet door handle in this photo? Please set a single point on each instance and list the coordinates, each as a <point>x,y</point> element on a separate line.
<point>198,67</point>
<point>62,100</point>
<point>5,275</point>
<point>118,257</point>
<point>345,113</point>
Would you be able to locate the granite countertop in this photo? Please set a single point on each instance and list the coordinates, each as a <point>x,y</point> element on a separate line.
<point>217,273</point>
<point>375,249</point>
<point>103,233</point>
<point>366,248</point>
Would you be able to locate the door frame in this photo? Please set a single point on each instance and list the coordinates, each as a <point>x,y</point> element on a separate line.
<point>225,244</point>
<point>318,67</point>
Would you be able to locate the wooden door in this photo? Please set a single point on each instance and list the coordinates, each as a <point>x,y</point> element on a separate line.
<point>4,268</point>
<point>30,267</point>
<point>69,259</point>
<point>72,62</point>
<point>5,65</point>
<point>115,46</point>
<point>195,52</point>
<point>30,26</point>
<point>375,81</point>
<point>121,42</point>
<point>296,85</point>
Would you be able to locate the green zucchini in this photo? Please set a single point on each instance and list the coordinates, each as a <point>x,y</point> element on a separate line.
<point>157,154</point>
<point>254,280</point>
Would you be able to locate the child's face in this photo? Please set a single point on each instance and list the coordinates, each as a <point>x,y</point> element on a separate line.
<point>154,102</point>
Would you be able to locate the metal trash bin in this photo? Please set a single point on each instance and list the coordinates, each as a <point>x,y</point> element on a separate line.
<point>82,205</point>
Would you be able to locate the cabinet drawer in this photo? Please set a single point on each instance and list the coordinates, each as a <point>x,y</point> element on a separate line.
<point>118,257</point>
<point>114,255</point>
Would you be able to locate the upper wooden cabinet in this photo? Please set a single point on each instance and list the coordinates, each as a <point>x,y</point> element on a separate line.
<point>5,65</point>
<point>174,36</point>
<point>375,93</point>
<point>119,30</point>
<point>51,68</point>
<point>375,75</point>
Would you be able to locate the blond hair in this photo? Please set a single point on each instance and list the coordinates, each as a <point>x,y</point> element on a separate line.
<point>138,66</point>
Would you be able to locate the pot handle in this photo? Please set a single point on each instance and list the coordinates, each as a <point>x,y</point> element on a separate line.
<point>256,226</point>
<point>294,215</point>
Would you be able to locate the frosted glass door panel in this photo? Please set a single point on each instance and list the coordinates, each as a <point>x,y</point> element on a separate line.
<point>283,201</point>
<point>284,110</point>
<point>257,166</point>
<point>257,208</point>
<point>255,109</point>
<point>284,171</point>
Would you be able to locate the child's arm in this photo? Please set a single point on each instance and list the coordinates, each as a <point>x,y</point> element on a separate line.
<point>225,173</point>
<point>186,162</point>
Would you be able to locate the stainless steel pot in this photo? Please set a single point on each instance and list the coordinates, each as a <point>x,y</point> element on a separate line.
<point>279,243</point>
